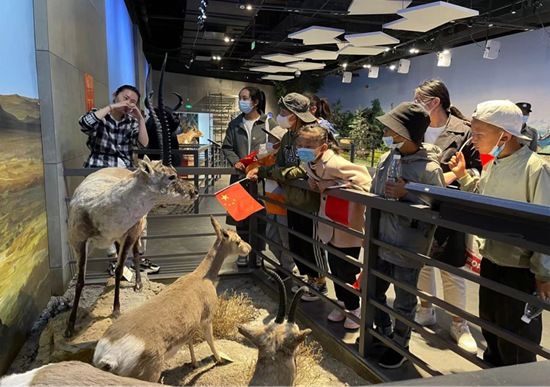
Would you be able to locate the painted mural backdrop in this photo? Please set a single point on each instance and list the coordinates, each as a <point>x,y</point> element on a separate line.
<point>23,233</point>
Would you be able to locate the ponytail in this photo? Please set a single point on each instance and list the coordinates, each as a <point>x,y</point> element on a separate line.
<point>457,113</point>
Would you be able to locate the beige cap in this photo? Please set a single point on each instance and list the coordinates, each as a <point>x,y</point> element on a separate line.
<point>503,114</point>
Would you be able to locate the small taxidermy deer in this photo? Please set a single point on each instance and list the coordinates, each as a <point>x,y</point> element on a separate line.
<point>111,204</point>
<point>69,373</point>
<point>138,342</point>
<point>192,136</point>
<point>277,342</point>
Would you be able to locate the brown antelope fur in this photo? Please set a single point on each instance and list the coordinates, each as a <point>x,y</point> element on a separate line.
<point>110,206</point>
<point>138,342</point>
<point>277,343</point>
<point>190,137</point>
<point>69,373</point>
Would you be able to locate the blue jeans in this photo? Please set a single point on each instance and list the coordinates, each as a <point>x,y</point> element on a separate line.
<point>404,303</point>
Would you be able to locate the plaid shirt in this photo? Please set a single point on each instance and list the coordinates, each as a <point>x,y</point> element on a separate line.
<point>109,140</point>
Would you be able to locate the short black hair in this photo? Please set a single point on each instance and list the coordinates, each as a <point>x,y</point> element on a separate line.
<point>120,89</point>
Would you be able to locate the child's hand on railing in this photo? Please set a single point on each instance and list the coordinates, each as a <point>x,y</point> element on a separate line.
<point>253,174</point>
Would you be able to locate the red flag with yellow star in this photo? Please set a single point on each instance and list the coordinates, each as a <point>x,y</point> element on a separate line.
<point>237,202</point>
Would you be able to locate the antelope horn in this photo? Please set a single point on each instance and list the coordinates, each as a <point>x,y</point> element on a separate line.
<point>282,296</point>
<point>166,146</point>
<point>294,304</point>
<point>180,102</point>
<point>151,108</point>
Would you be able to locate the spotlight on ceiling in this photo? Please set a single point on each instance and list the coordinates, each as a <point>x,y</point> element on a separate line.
<point>386,49</point>
<point>444,58</point>
<point>373,72</point>
<point>367,66</point>
<point>232,40</point>
<point>344,65</point>
<point>227,39</point>
<point>392,67</point>
<point>414,51</point>
<point>249,7</point>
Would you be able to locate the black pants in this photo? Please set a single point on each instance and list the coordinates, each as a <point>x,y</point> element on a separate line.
<point>345,272</point>
<point>299,246</point>
<point>506,312</point>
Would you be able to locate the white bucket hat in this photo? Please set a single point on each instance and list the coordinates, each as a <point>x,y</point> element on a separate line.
<point>503,114</point>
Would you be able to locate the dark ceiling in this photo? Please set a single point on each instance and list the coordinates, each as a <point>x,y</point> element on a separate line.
<point>171,26</point>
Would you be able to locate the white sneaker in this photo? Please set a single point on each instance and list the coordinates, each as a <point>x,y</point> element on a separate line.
<point>425,316</point>
<point>349,323</point>
<point>337,315</point>
<point>461,333</point>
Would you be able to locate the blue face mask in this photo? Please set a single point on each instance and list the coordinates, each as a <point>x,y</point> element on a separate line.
<point>497,149</point>
<point>245,106</point>
<point>388,142</point>
<point>306,155</point>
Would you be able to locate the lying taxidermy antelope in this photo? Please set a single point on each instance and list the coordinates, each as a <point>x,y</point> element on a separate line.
<point>277,343</point>
<point>138,342</point>
<point>110,205</point>
<point>69,373</point>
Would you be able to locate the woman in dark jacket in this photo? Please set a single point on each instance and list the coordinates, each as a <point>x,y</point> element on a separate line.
<point>244,135</point>
<point>450,131</point>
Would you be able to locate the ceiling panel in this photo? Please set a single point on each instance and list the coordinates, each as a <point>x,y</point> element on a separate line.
<point>280,58</point>
<point>377,7</point>
<point>352,50</point>
<point>318,55</point>
<point>367,39</point>
<point>317,35</point>
<point>306,66</point>
<point>272,69</point>
<point>278,77</point>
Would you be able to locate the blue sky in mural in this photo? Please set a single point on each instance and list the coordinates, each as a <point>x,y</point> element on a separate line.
<point>120,44</point>
<point>17,50</point>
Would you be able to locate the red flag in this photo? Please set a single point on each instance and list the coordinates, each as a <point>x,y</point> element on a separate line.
<point>249,158</point>
<point>337,210</point>
<point>486,158</point>
<point>357,284</point>
<point>237,202</point>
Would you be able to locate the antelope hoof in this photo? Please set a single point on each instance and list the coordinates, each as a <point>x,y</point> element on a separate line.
<point>138,287</point>
<point>195,364</point>
<point>116,312</point>
<point>224,359</point>
<point>69,332</point>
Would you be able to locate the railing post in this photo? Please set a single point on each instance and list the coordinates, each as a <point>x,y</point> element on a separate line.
<point>206,164</point>
<point>196,179</point>
<point>368,281</point>
<point>253,227</point>
<point>352,152</point>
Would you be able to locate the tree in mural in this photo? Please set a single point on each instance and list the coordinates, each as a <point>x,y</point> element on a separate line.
<point>341,119</point>
<point>366,131</point>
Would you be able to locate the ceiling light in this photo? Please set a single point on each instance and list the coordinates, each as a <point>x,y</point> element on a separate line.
<point>445,51</point>
<point>414,50</point>
<point>387,49</point>
<point>373,72</point>
<point>347,77</point>
<point>344,65</point>
<point>491,24</point>
<point>367,66</point>
<point>232,39</point>
<point>242,6</point>
<point>226,39</point>
<point>392,67</point>
<point>444,58</point>
<point>249,7</point>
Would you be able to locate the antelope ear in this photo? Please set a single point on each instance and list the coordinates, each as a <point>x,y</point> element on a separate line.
<point>146,159</point>
<point>217,227</point>
<point>301,336</point>
<point>145,166</point>
<point>249,333</point>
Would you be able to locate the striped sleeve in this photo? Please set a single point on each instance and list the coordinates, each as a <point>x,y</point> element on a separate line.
<point>89,123</point>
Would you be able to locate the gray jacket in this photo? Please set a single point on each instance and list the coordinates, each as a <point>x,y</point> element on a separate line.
<point>409,234</point>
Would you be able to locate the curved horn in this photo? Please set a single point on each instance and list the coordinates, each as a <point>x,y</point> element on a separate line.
<point>282,296</point>
<point>166,146</point>
<point>297,297</point>
<point>180,102</point>
<point>151,108</point>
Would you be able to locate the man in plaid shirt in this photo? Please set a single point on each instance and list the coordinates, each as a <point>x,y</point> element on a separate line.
<point>113,130</point>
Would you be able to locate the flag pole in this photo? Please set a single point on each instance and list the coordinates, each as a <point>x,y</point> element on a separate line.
<point>231,185</point>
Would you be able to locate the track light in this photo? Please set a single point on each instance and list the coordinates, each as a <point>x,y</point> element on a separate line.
<point>373,72</point>
<point>226,39</point>
<point>386,49</point>
<point>344,65</point>
<point>404,65</point>
<point>414,51</point>
<point>347,76</point>
<point>249,7</point>
<point>367,66</point>
<point>392,67</point>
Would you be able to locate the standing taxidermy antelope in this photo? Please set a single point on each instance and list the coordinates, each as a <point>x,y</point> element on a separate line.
<point>137,343</point>
<point>69,373</point>
<point>110,206</point>
<point>277,343</point>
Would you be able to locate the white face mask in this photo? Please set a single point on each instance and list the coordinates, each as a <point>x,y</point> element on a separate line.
<point>525,119</point>
<point>284,121</point>
<point>388,142</point>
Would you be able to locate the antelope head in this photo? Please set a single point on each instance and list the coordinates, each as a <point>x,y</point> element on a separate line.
<point>164,180</point>
<point>278,336</point>
<point>230,239</point>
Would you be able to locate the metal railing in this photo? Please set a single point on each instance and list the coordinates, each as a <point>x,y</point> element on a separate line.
<point>526,226</point>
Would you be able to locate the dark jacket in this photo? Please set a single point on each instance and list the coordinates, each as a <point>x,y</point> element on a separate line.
<point>398,230</point>
<point>450,245</point>
<point>286,168</point>
<point>451,139</point>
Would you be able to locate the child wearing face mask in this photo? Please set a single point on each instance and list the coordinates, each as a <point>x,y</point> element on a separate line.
<point>515,173</point>
<point>326,170</point>
<point>404,130</point>
<point>294,112</point>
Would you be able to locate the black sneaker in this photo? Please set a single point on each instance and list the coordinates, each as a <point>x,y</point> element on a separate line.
<point>391,359</point>
<point>321,287</point>
<point>242,261</point>
<point>148,267</point>
<point>111,268</point>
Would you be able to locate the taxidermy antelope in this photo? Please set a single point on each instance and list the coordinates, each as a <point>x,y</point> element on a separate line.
<point>192,136</point>
<point>277,343</point>
<point>110,206</point>
<point>69,373</point>
<point>138,342</point>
